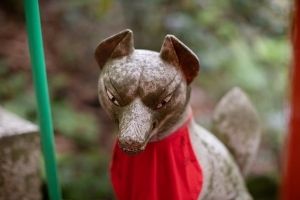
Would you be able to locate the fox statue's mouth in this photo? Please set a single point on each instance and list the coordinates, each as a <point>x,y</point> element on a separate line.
<point>130,147</point>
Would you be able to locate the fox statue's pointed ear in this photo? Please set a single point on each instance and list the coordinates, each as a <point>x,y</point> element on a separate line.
<point>116,46</point>
<point>176,53</point>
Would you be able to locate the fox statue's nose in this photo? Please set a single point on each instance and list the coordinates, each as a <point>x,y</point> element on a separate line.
<point>135,127</point>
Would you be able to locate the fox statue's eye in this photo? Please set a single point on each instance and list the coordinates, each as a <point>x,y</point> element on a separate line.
<point>164,101</point>
<point>112,98</point>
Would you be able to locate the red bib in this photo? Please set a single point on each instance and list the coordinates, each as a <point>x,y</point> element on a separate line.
<point>165,170</point>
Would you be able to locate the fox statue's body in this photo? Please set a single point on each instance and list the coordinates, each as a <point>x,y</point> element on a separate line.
<point>147,94</point>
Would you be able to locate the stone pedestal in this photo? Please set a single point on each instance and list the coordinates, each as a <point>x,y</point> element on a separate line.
<point>19,158</point>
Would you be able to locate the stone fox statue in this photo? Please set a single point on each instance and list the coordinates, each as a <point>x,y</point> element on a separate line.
<point>161,153</point>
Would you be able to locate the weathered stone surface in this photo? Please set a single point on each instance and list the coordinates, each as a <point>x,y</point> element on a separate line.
<point>236,124</point>
<point>19,158</point>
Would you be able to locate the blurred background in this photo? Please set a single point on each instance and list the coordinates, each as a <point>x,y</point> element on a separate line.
<point>239,42</point>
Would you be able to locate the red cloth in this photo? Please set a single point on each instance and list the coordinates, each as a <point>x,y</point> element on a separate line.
<point>165,170</point>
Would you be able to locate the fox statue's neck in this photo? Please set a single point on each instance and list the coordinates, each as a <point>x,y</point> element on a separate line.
<point>182,119</point>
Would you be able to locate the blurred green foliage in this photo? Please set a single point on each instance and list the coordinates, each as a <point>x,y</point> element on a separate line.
<point>85,176</point>
<point>263,187</point>
<point>239,42</point>
<point>80,126</point>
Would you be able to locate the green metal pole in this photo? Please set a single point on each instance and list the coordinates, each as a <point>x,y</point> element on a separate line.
<point>35,40</point>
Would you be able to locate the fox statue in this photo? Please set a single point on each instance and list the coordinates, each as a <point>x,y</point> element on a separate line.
<point>160,152</point>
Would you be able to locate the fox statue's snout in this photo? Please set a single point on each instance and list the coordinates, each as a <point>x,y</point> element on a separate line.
<point>136,125</point>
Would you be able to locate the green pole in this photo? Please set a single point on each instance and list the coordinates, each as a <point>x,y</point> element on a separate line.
<point>34,33</point>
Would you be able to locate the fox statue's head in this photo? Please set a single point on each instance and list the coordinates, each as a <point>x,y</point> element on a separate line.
<point>145,92</point>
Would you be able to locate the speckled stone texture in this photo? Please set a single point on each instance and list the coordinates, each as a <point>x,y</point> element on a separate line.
<point>19,158</point>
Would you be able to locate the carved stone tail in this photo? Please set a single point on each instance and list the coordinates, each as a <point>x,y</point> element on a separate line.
<point>236,124</point>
